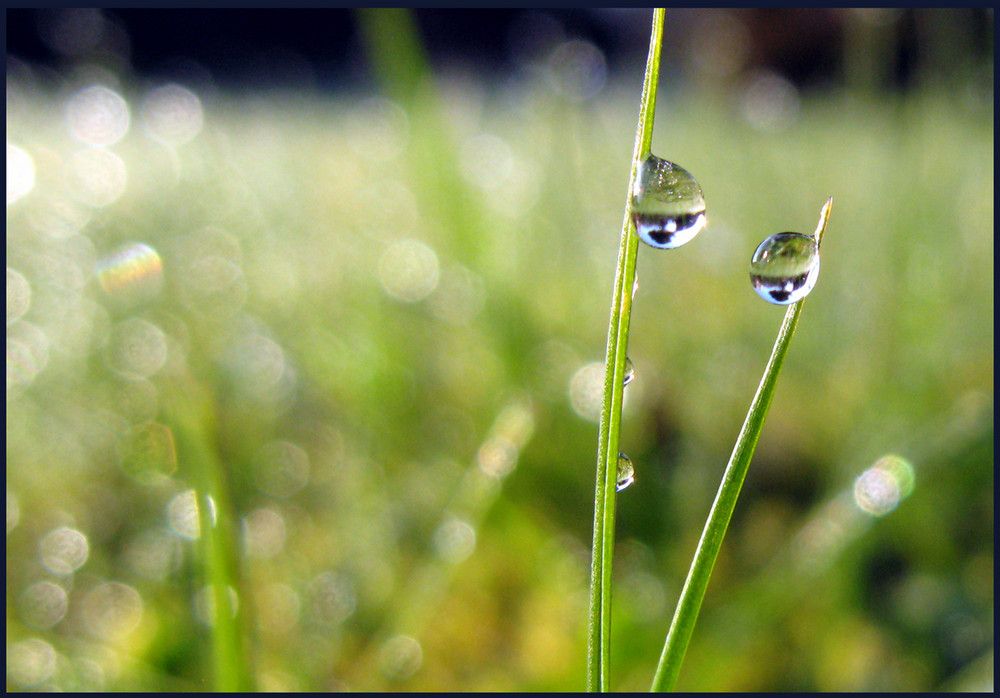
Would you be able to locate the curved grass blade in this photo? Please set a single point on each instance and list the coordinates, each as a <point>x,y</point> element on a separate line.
<point>689,604</point>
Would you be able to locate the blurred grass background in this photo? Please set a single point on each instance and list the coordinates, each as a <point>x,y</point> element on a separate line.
<point>375,311</point>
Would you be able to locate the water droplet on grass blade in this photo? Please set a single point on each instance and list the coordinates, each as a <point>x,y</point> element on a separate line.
<point>784,268</point>
<point>629,372</point>
<point>626,472</point>
<point>668,206</point>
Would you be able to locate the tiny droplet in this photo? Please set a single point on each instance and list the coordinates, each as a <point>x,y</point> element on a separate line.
<point>668,206</point>
<point>629,372</point>
<point>626,472</point>
<point>784,268</point>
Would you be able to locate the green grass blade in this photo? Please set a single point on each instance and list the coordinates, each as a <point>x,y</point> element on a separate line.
<point>599,645</point>
<point>187,408</point>
<point>689,604</point>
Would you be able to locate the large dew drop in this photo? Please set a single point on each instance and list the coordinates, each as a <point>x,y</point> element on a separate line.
<point>626,473</point>
<point>667,204</point>
<point>784,268</point>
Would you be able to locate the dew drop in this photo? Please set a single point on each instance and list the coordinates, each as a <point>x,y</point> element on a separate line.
<point>148,450</point>
<point>784,268</point>
<point>112,610</point>
<point>626,472</point>
<point>667,204</point>
<point>629,372</point>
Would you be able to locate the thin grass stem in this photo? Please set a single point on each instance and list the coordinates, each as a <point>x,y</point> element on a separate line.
<point>689,604</point>
<point>188,412</point>
<point>599,622</point>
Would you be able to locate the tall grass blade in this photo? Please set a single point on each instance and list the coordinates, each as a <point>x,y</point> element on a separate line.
<point>599,640</point>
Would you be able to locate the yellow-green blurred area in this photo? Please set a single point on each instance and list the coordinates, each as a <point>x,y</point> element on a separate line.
<point>359,337</point>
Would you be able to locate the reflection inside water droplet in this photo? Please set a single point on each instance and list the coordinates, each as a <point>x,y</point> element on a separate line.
<point>668,206</point>
<point>784,268</point>
<point>626,472</point>
<point>629,372</point>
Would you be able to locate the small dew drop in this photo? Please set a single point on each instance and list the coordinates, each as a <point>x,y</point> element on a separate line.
<point>629,372</point>
<point>173,114</point>
<point>668,206</point>
<point>332,598</point>
<point>98,116</point>
<point>43,604</point>
<point>30,662</point>
<point>784,268</point>
<point>454,540</point>
<point>136,348</point>
<point>18,296</point>
<point>63,551</point>
<point>878,490</point>
<point>205,604</point>
<point>112,610</point>
<point>20,173</point>
<point>264,533</point>
<point>626,472</point>
<point>183,515</point>
<point>401,657</point>
<point>148,450</point>
<point>97,177</point>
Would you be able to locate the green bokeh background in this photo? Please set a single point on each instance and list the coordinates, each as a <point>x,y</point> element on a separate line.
<point>449,494</point>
